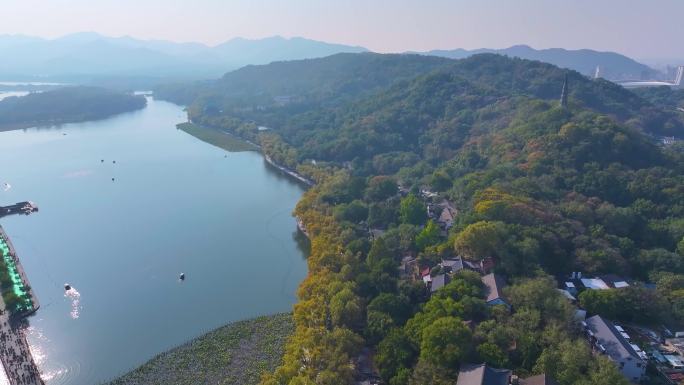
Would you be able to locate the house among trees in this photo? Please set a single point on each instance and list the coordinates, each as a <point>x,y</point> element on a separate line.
<point>438,282</point>
<point>494,285</point>
<point>443,213</point>
<point>611,340</point>
<point>453,265</point>
<point>483,374</point>
<point>447,216</point>
<point>487,264</point>
<point>408,266</point>
<point>603,282</point>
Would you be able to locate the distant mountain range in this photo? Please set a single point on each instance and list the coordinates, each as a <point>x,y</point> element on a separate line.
<point>613,66</point>
<point>89,55</point>
<point>94,55</point>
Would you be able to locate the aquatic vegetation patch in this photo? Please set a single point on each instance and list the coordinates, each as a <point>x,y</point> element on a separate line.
<point>217,138</point>
<point>237,354</point>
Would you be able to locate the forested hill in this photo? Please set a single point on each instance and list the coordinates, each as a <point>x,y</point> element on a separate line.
<point>337,77</point>
<point>325,105</point>
<point>540,189</point>
<point>65,105</point>
<point>613,65</point>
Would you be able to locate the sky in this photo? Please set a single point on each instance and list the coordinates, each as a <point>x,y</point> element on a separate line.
<point>644,29</point>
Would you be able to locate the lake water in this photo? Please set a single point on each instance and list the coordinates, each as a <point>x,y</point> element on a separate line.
<point>176,205</point>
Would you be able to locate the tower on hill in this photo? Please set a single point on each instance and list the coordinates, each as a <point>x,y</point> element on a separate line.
<point>564,93</point>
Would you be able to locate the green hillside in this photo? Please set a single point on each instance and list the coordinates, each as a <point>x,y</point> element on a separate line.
<point>541,189</point>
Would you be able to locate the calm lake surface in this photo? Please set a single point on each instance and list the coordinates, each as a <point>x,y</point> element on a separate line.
<point>176,205</point>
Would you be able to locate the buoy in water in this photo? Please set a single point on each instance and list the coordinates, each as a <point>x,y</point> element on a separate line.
<point>67,287</point>
<point>182,276</point>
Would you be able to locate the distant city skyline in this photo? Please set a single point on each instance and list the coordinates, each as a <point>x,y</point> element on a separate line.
<point>642,30</point>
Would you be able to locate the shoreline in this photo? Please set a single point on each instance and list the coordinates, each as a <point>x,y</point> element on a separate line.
<point>285,170</point>
<point>15,353</point>
<point>294,174</point>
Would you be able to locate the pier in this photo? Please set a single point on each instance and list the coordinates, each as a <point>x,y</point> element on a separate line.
<point>24,208</point>
<point>15,353</point>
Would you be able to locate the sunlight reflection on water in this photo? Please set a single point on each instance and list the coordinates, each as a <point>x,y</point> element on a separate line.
<point>40,357</point>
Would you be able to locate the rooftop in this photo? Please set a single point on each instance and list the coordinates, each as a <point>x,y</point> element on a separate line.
<point>594,283</point>
<point>438,282</point>
<point>482,374</point>
<point>541,379</point>
<point>493,285</point>
<point>453,264</point>
<point>610,340</point>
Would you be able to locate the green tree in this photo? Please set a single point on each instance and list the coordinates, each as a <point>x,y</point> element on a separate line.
<point>446,342</point>
<point>377,326</point>
<point>429,236</point>
<point>492,354</point>
<point>12,301</point>
<point>345,308</point>
<point>355,211</point>
<point>566,362</point>
<point>412,210</point>
<point>378,252</point>
<point>380,188</point>
<point>396,306</point>
<point>481,239</point>
<point>540,294</point>
<point>426,372</point>
<point>604,372</point>
<point>395,352</point>
<point>440,181</point>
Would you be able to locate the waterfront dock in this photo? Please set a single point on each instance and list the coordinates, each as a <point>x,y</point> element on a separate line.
<point>24,208</point>
<point>15,354</point>
<point>34,305</point>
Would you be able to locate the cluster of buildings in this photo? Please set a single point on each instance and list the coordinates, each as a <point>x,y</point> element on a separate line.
<point>631,347</point>
<point>604,336</point>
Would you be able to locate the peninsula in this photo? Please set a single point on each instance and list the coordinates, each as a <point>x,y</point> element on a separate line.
<point>65,105</point>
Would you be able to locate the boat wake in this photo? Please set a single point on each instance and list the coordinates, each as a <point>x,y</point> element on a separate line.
<point>75,297</point>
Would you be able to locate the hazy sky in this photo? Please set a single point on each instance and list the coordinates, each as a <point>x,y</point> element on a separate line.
<point>640,28</point>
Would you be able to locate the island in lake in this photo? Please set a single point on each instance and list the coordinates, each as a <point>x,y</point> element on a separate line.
<point>65,105</point>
